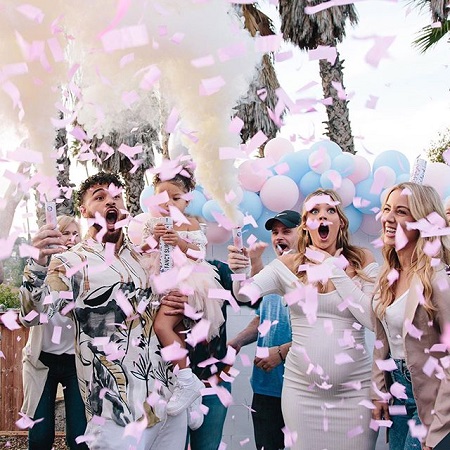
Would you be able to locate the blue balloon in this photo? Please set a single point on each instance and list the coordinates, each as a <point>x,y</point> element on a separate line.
<point>354,217</point>
<point>393,159</point>
<point>251,205</point>
<point>366,199</point>
<point>309,183</point>
<point>195,207</point>
<point>298,164</point>
<point>208,208</point>
<point>402,178</point>
<point>146,193</point>
<point>344,164</point>
<point>331,147</point>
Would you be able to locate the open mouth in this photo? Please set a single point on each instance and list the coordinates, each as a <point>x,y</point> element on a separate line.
<point>324,230</point>
<point>282,247</point>
<point>111,216</point>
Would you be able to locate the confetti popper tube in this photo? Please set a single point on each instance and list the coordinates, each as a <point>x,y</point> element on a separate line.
<point>418,171</point>
<point>237,238</point>
<point>50,213</point>
<point>166,261</point>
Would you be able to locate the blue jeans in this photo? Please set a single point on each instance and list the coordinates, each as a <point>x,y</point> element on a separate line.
<point>399,434</point>
<point>209,435</point>
<point>61,369</point>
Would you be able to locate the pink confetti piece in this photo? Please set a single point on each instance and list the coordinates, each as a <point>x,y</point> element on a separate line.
<point>355,431</point>
<point>30,316</point>
<point>124,38</point>
<point>264,327</point>
<point>121,10</point>
<point>31,12</point>
<point>56,336</point>
<point>177,38</point>
<point>231,153</point>
<point>431,248</point>
<point>251,291</point>
<point>418,431</point>
<point>343,358</point>
<point>372,101</point>
<point>28,251</point>
<point>387,365</point>
<point>376,424</point>
<point>230,357</point>
<point>290,437</point>
<point>236,125</point>
<point>412,330</point>
<point>210,86</point>
<point>397,410</point>
<point>173,352</point>
<point>204,61</point>
<point>367,404</point>
<point>262,352</point>
<point>398,391</point>
<point>256,141</point>
<point>400,238</point>
<point>392,276</point>
<point>10,320</point>
<point>25,155</point>
<point>199,332</point>
<point>379,50</point>
<point>431,365</point>
<point>323,52</point>
<point>151,77</point>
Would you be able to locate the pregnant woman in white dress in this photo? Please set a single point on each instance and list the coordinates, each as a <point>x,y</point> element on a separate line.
<point>328,285</point>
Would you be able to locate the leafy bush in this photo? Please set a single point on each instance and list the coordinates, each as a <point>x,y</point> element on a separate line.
<point>9,296</point>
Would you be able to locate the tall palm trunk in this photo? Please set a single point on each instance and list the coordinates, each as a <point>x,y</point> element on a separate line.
<point>338,125</point>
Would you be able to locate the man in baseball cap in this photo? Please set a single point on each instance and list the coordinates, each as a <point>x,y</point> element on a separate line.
<point>289,218</point>
<point>267,375</point>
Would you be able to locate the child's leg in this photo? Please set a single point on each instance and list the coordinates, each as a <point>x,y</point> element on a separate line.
<point>167,329</point>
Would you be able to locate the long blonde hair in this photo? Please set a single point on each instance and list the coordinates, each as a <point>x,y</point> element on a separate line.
<point>422,201</point>
<point>63,222</point>
<point>354,255</point>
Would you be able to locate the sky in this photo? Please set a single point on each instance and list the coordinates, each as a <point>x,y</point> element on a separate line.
<point>412,88</point>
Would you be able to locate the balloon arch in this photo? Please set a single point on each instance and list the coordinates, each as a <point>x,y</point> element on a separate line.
<point>284,177</point>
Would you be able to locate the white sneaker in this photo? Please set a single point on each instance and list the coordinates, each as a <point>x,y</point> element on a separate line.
<point>195,415</point>
<point>183,396</point>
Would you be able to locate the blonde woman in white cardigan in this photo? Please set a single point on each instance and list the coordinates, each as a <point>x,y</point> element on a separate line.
<point>48,356</point>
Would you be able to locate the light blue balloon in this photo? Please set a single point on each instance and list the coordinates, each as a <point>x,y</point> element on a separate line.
<point>354,217</point>
<point>146,193</point>
<point>363,192</point>
<point>331,147</point>
<point>402,178</point>
<point>298,164</point>
<point>393,159</point>
<point>344,164</point>
<point>251,205</point>
<point>309,183</point>
<point>195,207</point>
<point>208,208</point>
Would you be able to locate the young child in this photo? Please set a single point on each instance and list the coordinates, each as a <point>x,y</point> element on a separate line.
<point>191,241</point>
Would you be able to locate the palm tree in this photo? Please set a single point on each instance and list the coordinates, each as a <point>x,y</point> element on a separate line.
<point>429,36</point>
<point>324,28</point>
<point>252,109</point>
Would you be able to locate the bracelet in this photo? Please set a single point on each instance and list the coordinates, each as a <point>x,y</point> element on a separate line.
<point>279,354</point>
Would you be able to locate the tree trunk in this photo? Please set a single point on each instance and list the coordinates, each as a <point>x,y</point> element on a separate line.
<point>134,185</point>
<point>338,124</point>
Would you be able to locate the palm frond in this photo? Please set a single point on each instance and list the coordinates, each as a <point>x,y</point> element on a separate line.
<point>430,36</point>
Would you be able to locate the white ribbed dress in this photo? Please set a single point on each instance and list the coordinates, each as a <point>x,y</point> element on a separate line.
<point>328,369</point>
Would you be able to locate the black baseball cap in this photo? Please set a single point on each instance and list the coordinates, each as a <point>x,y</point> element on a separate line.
<point>288,218</point>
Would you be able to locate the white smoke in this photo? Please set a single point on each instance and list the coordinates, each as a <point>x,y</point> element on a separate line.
<point>125,51</point>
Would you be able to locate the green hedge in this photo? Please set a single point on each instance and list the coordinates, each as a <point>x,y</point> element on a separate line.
<point>9,296</point>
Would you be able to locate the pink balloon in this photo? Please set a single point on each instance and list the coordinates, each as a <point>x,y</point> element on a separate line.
<point>278,193</point>
<point>136,226</point>
<point>346,192</point>
<point>370,225</point>
<point>252,174</point>
<point>362,169</point>
<point>277,147</point>
<point>217,234</point>
<point>437,175</point>
<point>386,175</point>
